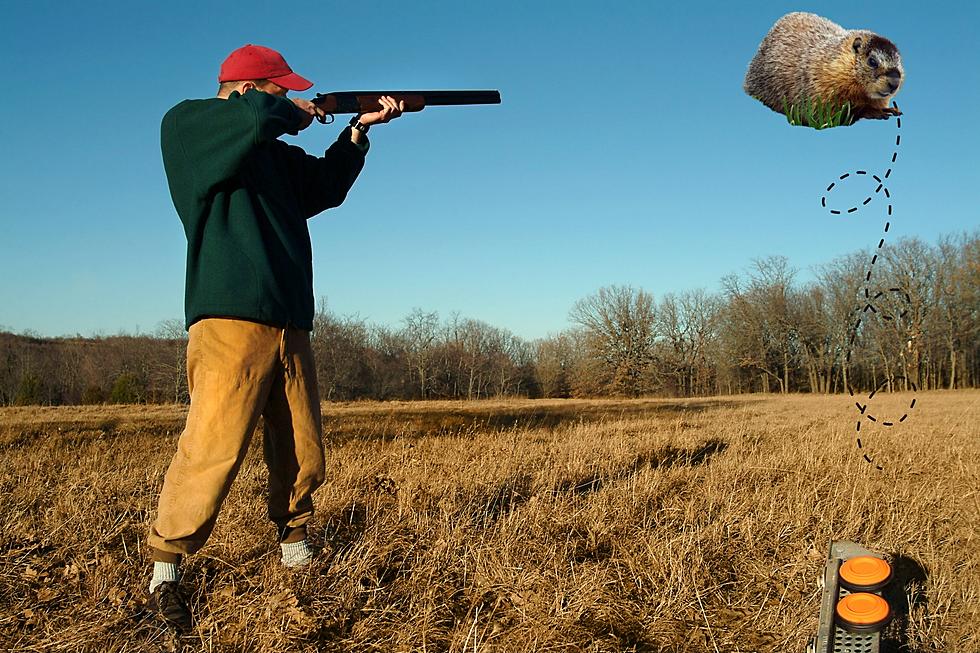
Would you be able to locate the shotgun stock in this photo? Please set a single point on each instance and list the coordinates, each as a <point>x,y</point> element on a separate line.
<point>366,101</point>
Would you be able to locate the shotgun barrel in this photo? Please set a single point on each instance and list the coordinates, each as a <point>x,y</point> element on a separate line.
<point>365,101</point>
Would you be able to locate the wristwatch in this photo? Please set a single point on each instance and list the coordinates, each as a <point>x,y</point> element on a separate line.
<point>355,123</point>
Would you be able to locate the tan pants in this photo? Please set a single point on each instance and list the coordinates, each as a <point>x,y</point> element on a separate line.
<point>238,370</point>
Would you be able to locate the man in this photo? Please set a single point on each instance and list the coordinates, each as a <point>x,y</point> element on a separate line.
<point>243,197</point>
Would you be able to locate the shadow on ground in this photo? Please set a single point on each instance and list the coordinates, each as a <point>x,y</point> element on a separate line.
<point>410,423</point>
<point>516,491</point>
<point>666,457</point>
<point>905,592</point>
<point>377,421</point>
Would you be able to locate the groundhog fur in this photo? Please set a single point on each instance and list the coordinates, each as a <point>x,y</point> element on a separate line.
<point>805,57</point>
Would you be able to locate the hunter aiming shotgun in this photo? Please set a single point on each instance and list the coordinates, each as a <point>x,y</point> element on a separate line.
<point>365,101</point>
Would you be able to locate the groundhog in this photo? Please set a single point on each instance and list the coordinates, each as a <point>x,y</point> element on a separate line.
<point>807,58</point>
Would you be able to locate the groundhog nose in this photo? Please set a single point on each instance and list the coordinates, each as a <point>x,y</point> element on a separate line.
<point>894,79</point>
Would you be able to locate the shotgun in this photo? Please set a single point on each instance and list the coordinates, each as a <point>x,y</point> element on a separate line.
<point>365,101</point>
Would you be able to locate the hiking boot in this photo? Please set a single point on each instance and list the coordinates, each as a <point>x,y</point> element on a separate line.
<point>167,602</point>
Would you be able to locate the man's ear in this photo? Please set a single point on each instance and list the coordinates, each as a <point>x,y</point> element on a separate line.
<point>246,86</point>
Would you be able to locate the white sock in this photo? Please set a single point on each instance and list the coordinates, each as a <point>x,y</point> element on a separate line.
<point>296,554</point>
<point>164,572</point>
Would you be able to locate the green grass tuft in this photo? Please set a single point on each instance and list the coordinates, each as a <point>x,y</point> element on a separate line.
<point>818,113</point>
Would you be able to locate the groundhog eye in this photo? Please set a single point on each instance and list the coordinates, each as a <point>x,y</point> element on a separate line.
<point>872,62</point>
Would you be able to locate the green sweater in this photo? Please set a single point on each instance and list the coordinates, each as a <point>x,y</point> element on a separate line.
<point>244,198</point>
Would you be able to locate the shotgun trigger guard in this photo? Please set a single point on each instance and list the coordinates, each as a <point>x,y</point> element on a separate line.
<point>323,119</point>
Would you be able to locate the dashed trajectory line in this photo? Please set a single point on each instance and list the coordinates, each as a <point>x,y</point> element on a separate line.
<point>870,298</point>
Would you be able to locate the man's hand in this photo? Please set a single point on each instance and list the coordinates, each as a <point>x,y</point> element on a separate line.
<point>389,111</point>
<point>309,111</point>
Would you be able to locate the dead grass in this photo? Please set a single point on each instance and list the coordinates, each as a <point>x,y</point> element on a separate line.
<point>650,525</point>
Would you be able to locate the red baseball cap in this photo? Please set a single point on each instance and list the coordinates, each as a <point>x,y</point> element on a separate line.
<point>257,62</point>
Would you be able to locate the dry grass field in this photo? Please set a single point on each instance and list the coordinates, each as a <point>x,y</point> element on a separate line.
<point>647,525</point>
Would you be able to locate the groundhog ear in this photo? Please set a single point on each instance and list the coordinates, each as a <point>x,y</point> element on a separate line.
<point>857,43</point>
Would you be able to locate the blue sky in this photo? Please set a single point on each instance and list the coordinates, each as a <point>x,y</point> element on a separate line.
<point>624,152</point>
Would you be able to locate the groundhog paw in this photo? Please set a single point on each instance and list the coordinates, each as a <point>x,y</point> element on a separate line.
<point>877,114</point>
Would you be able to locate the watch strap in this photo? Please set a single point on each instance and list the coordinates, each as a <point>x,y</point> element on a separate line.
<point>355,123</point>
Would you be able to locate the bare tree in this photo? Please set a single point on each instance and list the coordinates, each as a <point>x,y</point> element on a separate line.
<point>619,322</point>
<point>387,361</point>
<point>687,324</point>
<point>908,265</point>
<point>762,327</point>
<point>340,346</point>
<point>172,369</point>
<point>420,331</point>
<point>957,291</point>
<point>553,365</point>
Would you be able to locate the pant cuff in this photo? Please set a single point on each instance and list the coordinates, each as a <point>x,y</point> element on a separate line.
<point>165,556</point>
<point>290,535</point>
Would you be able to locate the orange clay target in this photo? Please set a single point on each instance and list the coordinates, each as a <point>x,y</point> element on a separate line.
<point>863,612</point>
<point>865,573</point>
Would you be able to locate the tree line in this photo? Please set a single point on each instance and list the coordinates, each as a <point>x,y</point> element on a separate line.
<point>915,323</point>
